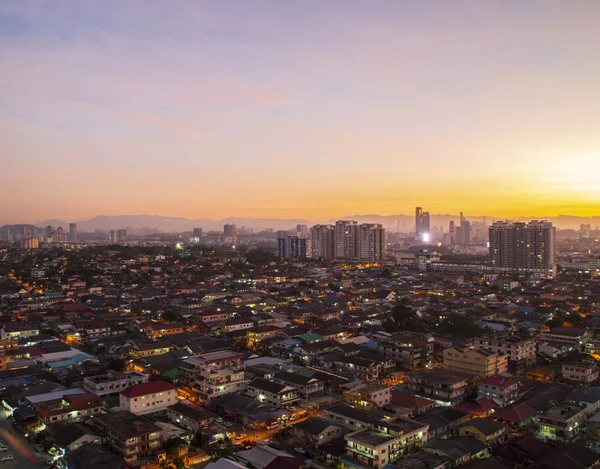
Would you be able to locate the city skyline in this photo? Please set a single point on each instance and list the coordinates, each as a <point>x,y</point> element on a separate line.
<point>275,109</point>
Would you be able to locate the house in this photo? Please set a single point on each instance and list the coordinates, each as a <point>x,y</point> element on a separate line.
<point>459,448</point>
<point>71,436</point>
<point>238,324</point>
<point>478,362</point>
<point>279,395</point>
<point>17,330</point>
<point>438,385</point>
<point>256,335</point>
<point>501,390</point>
<point>487,431</point>
<point>148,397</point>
<point>573,337</point>
<point>266,457</point>
<point>519,350</point>
<point>562,423</point>
<point>369,396</point>
<point>92,456</point>
<point>113,382</point>
<point>588,397</point>
<point>417,405</point>
<point>423,460</point>
<point>363,369</point>
<point>156,330</point>
<point>149,349</point>
<point>192,417</point>
<point>349,417</point>
<point>441,421</point>
<point>69,408</point>
<point>306,386</point>
<point>580,371</point>
<point>317,431</point>
<point>132,436</point>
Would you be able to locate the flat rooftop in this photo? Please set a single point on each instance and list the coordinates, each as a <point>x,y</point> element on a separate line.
<point>370,437</point>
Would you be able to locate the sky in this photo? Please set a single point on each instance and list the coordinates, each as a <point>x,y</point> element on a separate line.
<point>295,108</point>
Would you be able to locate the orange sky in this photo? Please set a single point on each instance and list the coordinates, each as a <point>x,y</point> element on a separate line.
<point>274,109</point>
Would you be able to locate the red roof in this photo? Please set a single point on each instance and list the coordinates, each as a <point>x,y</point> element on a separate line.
<point>411,401</point>
<point>498,381</point>
<point>515,413</point>
<point>147,388</point>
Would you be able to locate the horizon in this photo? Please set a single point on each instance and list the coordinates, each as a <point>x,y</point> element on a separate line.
<point>269,108</point>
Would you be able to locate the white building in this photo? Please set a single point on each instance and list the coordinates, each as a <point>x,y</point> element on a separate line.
<point>148,397</point>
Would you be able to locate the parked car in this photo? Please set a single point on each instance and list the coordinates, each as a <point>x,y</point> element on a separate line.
<point>7,457</point>
<point>300,450</point>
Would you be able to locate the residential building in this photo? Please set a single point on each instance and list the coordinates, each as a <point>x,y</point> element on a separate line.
<point>370,242</point>
<point>408,355</point>
<point>573,337</point>
<point>345,240</point>
<point>237,324</point>
<point>487,431</point>
<point>422,225</point>
<point>190,416</point>
<point>279,395</point>
<point>113,382</point>
<point>383,444</point>
<point>322,242</point>
<point>580,371</point>
<point>368,397</point>
<point>519,350</point>
<point>478,362</point>
<point>520,245</point>
<point>501,390</point>
<point>441,386</point>
<point>294,247</point>
<point>214,374</point>
<point>71,436</point>
<point>317,431</point>
<point>148,398</point>
<point>363,369</point>
<point>156,330</point>
<point>132,436</point>
<point>18,330</point>
<point>349,417</point>
<point>460,448</point>
<point>69,408</point>
<point>562,423</point>
<point>307,387</point>
<point>588,397</point>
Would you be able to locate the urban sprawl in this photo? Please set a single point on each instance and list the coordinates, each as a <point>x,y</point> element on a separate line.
<point>339,345</point>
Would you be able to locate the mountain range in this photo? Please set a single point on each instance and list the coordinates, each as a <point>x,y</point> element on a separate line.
<point>403,223</point>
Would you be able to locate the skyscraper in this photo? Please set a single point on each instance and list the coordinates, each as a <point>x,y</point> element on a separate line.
<point>422,224</point>
<point>322,242</point>
<point>197,233</point>
<point>523,246</point>
<point>370,242</point>
<point>73,232</point>
<point>229,234</point>
<point>293,247</point>
<point>302,231</point>
<point>344,240</point>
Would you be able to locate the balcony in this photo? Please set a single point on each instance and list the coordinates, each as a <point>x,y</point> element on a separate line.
<point>368,453</point>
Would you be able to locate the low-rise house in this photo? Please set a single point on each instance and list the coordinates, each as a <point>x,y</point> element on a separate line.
<point>580,371</point>
<point>149,349</point>
<point>279,395</point>
<point>132,436</point>
<point>485,430</point>
<point>237,324</point>
<point>156,330</point>
<point>417,405</point>
<point>148,397</point>
<point>501,390</point>
<point>17,330</point>
<point>71,436</point>
<point>442,421</point>
<point>113,382</point>
<point>363,369</point>
<point>563,423</point>
<point>460,448</point>
<point>519,350</point>
<point>370,396</point>
<point>573,337</point>
<point>70,408</point>
<point>442,386</point>
<point>92,456</point>
<point>588,397</point>
<point>307,387</point>
<point>317,431</point>
<point>192,417</point>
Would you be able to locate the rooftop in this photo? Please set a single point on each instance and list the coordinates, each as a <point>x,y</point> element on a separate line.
<point>147,388</point>
<point>370,437</point>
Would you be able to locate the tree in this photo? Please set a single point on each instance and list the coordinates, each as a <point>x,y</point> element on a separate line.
<point>459,325</point>
<point>260,256</point>
<point>385,273</point>
<point>117,364</point>
<point>403,318</point>
<point>221,448</point>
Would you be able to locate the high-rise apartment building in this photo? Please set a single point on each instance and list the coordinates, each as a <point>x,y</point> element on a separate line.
<point>73,232</point>
<point>117,236</point>
<point>523,246</point>
<point>302,231</point>
<point>229,234</point>
<point>344,240</point>
<point>370,242</point>
<point>197,233</point>
<point>322,241</point>
<point>422,224</point>
<point>293,247</point>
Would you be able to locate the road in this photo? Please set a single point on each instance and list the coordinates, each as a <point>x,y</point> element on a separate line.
<point>23,452</point>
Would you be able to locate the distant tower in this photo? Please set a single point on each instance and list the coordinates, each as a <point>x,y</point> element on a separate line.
<point>73,232</point>
<point>422,224</point>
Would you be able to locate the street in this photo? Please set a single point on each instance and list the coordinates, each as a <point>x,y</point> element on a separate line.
<point>24,454</point>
